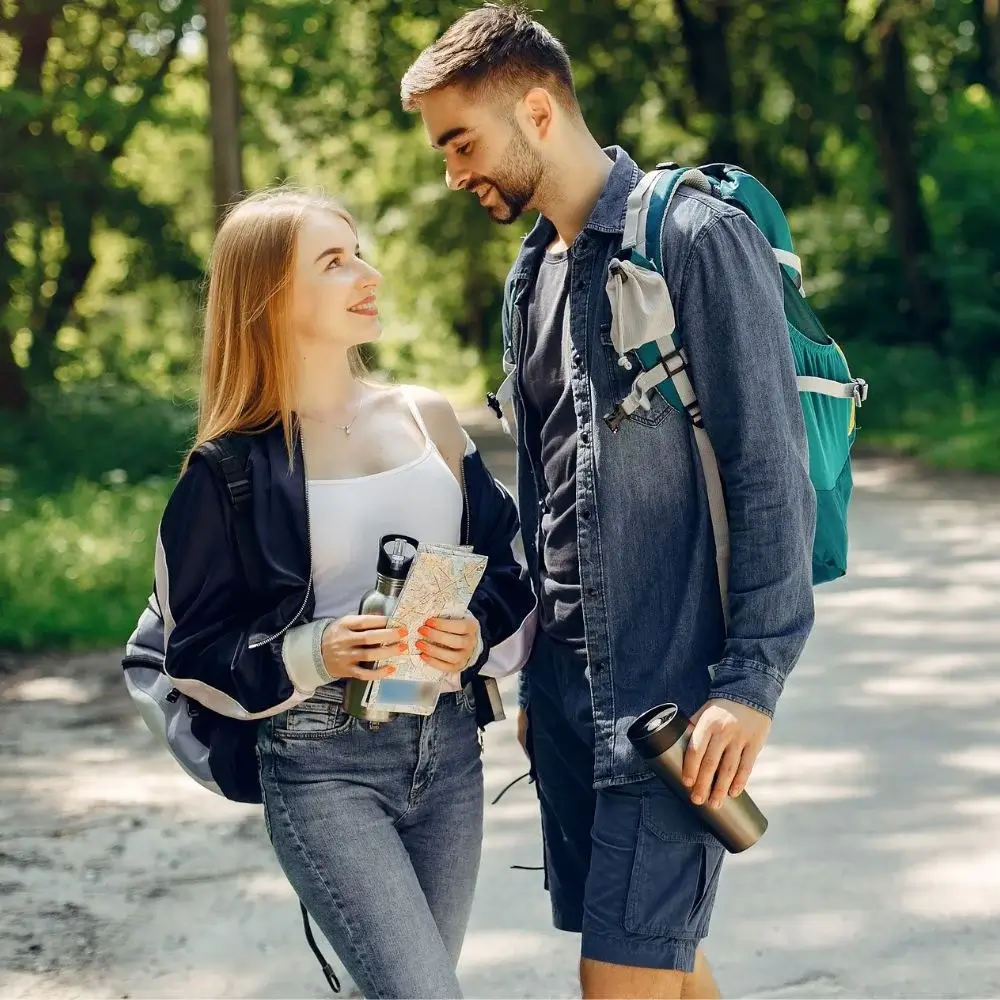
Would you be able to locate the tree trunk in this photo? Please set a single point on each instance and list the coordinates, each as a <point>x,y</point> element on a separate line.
<point>711,74</point>
<point>13,391</point>
<point>227,153</point>
<point>78,227</point>
<point>988,41</point>
<point>34,30</point>
<point>884,88</point>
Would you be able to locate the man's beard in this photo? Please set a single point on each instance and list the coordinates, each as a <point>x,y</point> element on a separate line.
<point>515,182</point>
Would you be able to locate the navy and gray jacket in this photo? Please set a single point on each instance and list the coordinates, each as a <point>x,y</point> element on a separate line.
<point>248,656</point>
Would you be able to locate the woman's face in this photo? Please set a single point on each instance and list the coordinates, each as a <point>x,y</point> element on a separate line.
<point>333,292</point>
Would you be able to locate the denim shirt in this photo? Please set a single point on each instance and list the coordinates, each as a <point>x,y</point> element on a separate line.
<point>653,616</point>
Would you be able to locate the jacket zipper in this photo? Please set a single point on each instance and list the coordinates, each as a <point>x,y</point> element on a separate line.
<point>305,600</point>
<point>466,531</point>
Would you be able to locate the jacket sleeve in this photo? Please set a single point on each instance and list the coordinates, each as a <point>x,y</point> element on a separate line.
<point>218,645</point>
<point>503,603</point>
<point>731,315</point>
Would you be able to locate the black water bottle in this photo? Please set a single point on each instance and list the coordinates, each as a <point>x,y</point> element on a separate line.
<point>660,737</point>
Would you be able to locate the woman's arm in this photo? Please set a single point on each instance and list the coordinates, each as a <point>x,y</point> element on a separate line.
<point>216,642</point>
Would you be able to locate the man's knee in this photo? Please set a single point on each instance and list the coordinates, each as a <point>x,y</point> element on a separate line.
<point>604,981</point>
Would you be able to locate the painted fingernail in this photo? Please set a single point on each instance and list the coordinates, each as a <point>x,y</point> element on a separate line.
<point>401,647</point>
<point>420,645</point>
<point>423,631</point>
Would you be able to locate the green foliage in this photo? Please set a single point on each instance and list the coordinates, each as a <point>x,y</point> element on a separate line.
<point>76,566</point>
<point>98,433</point>
<point>932,411</point>
<point>106,220</point>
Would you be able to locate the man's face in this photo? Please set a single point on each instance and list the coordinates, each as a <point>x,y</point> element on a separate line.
<point>483,153</point>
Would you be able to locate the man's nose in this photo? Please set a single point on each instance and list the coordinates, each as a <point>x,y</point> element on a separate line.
<point>456,179</point>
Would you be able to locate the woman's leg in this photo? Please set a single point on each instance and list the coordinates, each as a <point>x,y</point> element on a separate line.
<point>443,830</point>
<point>333,790</point>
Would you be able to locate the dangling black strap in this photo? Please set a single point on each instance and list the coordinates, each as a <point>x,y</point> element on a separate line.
<point>331,976</point>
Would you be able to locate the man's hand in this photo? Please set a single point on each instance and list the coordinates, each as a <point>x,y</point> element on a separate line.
<point>522,729</point>
<point>722,750</point>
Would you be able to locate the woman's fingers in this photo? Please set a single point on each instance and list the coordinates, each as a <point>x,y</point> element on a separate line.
<point>445,640</point>
<point>445,662</point>
<point>378,637</point>
<point>454,626</point>
<point>370,673</point>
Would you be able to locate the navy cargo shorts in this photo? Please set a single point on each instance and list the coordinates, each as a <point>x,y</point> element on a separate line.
<point>629,867</point>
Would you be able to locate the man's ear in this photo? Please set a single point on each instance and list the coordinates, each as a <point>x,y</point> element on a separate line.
<point>537,108</point>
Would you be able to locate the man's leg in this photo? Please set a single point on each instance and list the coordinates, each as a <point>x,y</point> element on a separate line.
<point>649,896</point>
<point>602,981</point>
<point>561,747</point>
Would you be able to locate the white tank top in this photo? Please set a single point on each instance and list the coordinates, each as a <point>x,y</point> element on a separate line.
<point>347,517</point>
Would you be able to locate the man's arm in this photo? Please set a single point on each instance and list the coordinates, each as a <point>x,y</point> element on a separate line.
<point>730,311</point>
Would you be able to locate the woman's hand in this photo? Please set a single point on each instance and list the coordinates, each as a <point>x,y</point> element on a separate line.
<point>354,640</point>
<point>447,644</point>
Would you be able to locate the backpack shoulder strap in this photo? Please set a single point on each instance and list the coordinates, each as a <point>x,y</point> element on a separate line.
<point>229,457</point>
<point>667,362</point>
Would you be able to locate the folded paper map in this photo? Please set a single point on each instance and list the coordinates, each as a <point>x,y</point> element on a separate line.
<point>440,584</point>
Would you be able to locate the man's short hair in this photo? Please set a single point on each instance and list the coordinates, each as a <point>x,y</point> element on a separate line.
<point>494,52</point>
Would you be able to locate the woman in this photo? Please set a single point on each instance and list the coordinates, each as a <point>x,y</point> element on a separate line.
<point>378,828</point>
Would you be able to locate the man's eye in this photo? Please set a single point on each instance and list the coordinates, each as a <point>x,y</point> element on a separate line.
<point>464,150</point>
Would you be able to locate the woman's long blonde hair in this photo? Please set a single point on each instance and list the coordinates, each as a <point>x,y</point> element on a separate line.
<point>248,368</point>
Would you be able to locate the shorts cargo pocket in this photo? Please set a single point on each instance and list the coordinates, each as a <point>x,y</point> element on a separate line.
<point>675,873</point>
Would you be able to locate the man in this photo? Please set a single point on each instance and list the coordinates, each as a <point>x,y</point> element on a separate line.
<point>616,527</point>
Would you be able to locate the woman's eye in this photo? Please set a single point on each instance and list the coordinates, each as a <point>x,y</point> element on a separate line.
<point>334,262</point>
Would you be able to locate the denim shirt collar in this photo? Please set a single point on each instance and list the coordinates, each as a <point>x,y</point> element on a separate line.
<point>608,215</point>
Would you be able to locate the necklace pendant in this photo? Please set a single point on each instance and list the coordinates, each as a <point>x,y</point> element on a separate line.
<point>347,431</point>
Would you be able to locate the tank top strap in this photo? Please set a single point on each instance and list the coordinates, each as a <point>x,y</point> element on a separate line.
<point>415,411</point>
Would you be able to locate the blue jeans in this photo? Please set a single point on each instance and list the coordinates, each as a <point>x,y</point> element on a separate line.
<point>379,831</point>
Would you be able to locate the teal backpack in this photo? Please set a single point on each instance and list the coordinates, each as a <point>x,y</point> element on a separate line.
<point>644,331</point>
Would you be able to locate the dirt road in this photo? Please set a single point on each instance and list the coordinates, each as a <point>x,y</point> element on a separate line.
<point>880,875</point>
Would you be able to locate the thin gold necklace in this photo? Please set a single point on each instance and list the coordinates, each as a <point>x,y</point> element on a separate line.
<point>346,428</point>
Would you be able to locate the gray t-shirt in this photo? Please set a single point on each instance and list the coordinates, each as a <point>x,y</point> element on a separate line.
<point>547,390</point>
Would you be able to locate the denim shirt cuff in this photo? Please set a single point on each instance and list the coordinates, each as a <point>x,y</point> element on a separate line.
<point>746,682</point>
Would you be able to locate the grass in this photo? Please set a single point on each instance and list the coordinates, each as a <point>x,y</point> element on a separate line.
<point>76,567</point>
<point>924,408</point>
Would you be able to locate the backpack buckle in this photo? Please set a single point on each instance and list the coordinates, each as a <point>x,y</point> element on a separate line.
<point>615,418</point>
<point>239,490</point>
<point>860,391</point>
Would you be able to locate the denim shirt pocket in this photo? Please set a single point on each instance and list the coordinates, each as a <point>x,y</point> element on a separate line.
<point>620,379</point>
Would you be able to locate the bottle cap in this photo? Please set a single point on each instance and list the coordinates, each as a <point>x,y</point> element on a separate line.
<point>657,730</point>
<point>395,555</point>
